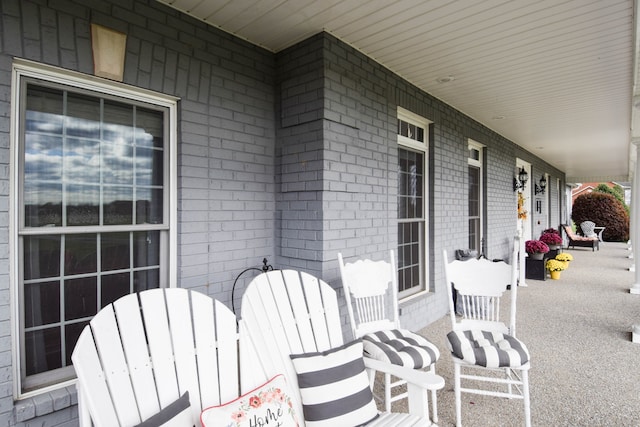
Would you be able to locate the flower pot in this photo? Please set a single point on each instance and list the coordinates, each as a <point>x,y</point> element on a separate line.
<point>536,255</point>
<point>554,247</point>
<point>555,275</point>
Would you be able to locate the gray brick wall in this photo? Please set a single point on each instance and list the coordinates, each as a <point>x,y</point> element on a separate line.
<point>290,156</point>
<point>226,143</point>
<point>353,157</point>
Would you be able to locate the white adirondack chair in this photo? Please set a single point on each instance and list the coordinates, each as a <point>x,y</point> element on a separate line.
<point>142,352</point>
<point>287,312</point>
<point>483,339</point>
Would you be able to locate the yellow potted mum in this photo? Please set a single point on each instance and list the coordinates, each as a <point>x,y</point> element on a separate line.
<point>555,267</point>
<point>565,258</point>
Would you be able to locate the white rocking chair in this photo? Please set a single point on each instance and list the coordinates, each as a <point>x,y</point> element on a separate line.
<point>286,312</point>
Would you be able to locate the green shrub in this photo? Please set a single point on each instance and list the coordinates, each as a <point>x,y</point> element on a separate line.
<point>617,192</point>
<point>606,211</point>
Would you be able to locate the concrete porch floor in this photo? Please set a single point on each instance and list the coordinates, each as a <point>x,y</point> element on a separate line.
<point>585,371</point>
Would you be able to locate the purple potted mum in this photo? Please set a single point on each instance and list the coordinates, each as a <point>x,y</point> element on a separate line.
<point>536,249</point>
<point>551,230</point>
<point>551,239</point>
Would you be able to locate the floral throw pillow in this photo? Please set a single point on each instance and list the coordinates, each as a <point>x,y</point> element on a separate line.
<point>267,405</point>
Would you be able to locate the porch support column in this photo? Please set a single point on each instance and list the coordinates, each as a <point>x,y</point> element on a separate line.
<point>633,225</point>
<point>521,257</point>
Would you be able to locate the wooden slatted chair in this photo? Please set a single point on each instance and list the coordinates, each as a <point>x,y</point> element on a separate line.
<point>139,355</point>
<point>371,293</point>
<point>291,319</point>
<point>484,339</point>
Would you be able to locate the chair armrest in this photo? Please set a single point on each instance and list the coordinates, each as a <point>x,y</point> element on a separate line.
<point>418,384</point>
<point>422,379</point>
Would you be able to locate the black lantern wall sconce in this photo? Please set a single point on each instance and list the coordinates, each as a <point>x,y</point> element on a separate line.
<point>543,185</point>
<point>520,180</point>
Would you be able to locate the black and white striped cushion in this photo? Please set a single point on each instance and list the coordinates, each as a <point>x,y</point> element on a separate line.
<point>400,347</point>
<point>489,349</point>
<point>334,387</point>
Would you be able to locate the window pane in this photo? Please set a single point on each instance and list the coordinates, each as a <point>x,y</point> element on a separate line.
<point>411,131</point>
<point>118,123</point>
<point>149,128</point>
<point>83,204</point>
<point>82,161</point>
<point>474,191</point>
<point>146,279</point>
<point>410,184</point>
<point>149,206</point>
<point>41,257</point>
<point>410,260</point>
<point>80,298</point>
<point>42,350</point>
<point>117,162</point>
<point>42,204</point>
<point>474,234</point>
<point>44,112</point>
<point>83,116</point>
<point>81,254</point>
<point>149,167</point>
<point>146,249</point>
<point>43,158</point>
<point>118,205</point>
<point>43,180</point>
<point>113,287</point>
<point>71,334</point>
<point>38,307</point>
<point>114,250</point>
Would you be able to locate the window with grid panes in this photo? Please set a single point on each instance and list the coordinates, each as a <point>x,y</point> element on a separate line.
<point>412,208</point>
<point>93,214</point>
<point>475,196</point>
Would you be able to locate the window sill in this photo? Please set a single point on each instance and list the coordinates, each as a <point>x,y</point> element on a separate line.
<point>45,403</point>
<point>415,296</point>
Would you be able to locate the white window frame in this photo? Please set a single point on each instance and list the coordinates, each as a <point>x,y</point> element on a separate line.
<point>479,163</point>
<point>29,69</point>
<point>422,147</point>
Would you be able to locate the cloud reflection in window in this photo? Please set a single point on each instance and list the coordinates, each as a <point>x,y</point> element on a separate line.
<point>100,170</point>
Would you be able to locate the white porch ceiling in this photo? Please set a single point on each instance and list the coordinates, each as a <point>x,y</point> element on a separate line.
<point>557,77</point>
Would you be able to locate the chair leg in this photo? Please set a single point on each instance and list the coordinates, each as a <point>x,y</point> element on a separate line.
<point>525,397</point>
<point>387,392</point>
<point>458,394</point>
<point>508,376</point>
<point>434,398</point>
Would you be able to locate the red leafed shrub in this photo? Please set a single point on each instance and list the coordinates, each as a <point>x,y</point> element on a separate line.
<point>605,211</point>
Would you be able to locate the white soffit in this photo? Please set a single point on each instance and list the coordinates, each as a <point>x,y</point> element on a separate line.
<point>556,77</point>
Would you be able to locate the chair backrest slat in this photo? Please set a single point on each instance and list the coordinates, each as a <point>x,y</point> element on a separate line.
<point>303,318</point>
<point>145,350</point>
<point>113,357</point>
<point>159,340</point>
<point>136,352</point>
<point>480,284</point>
<point>371,288</point>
